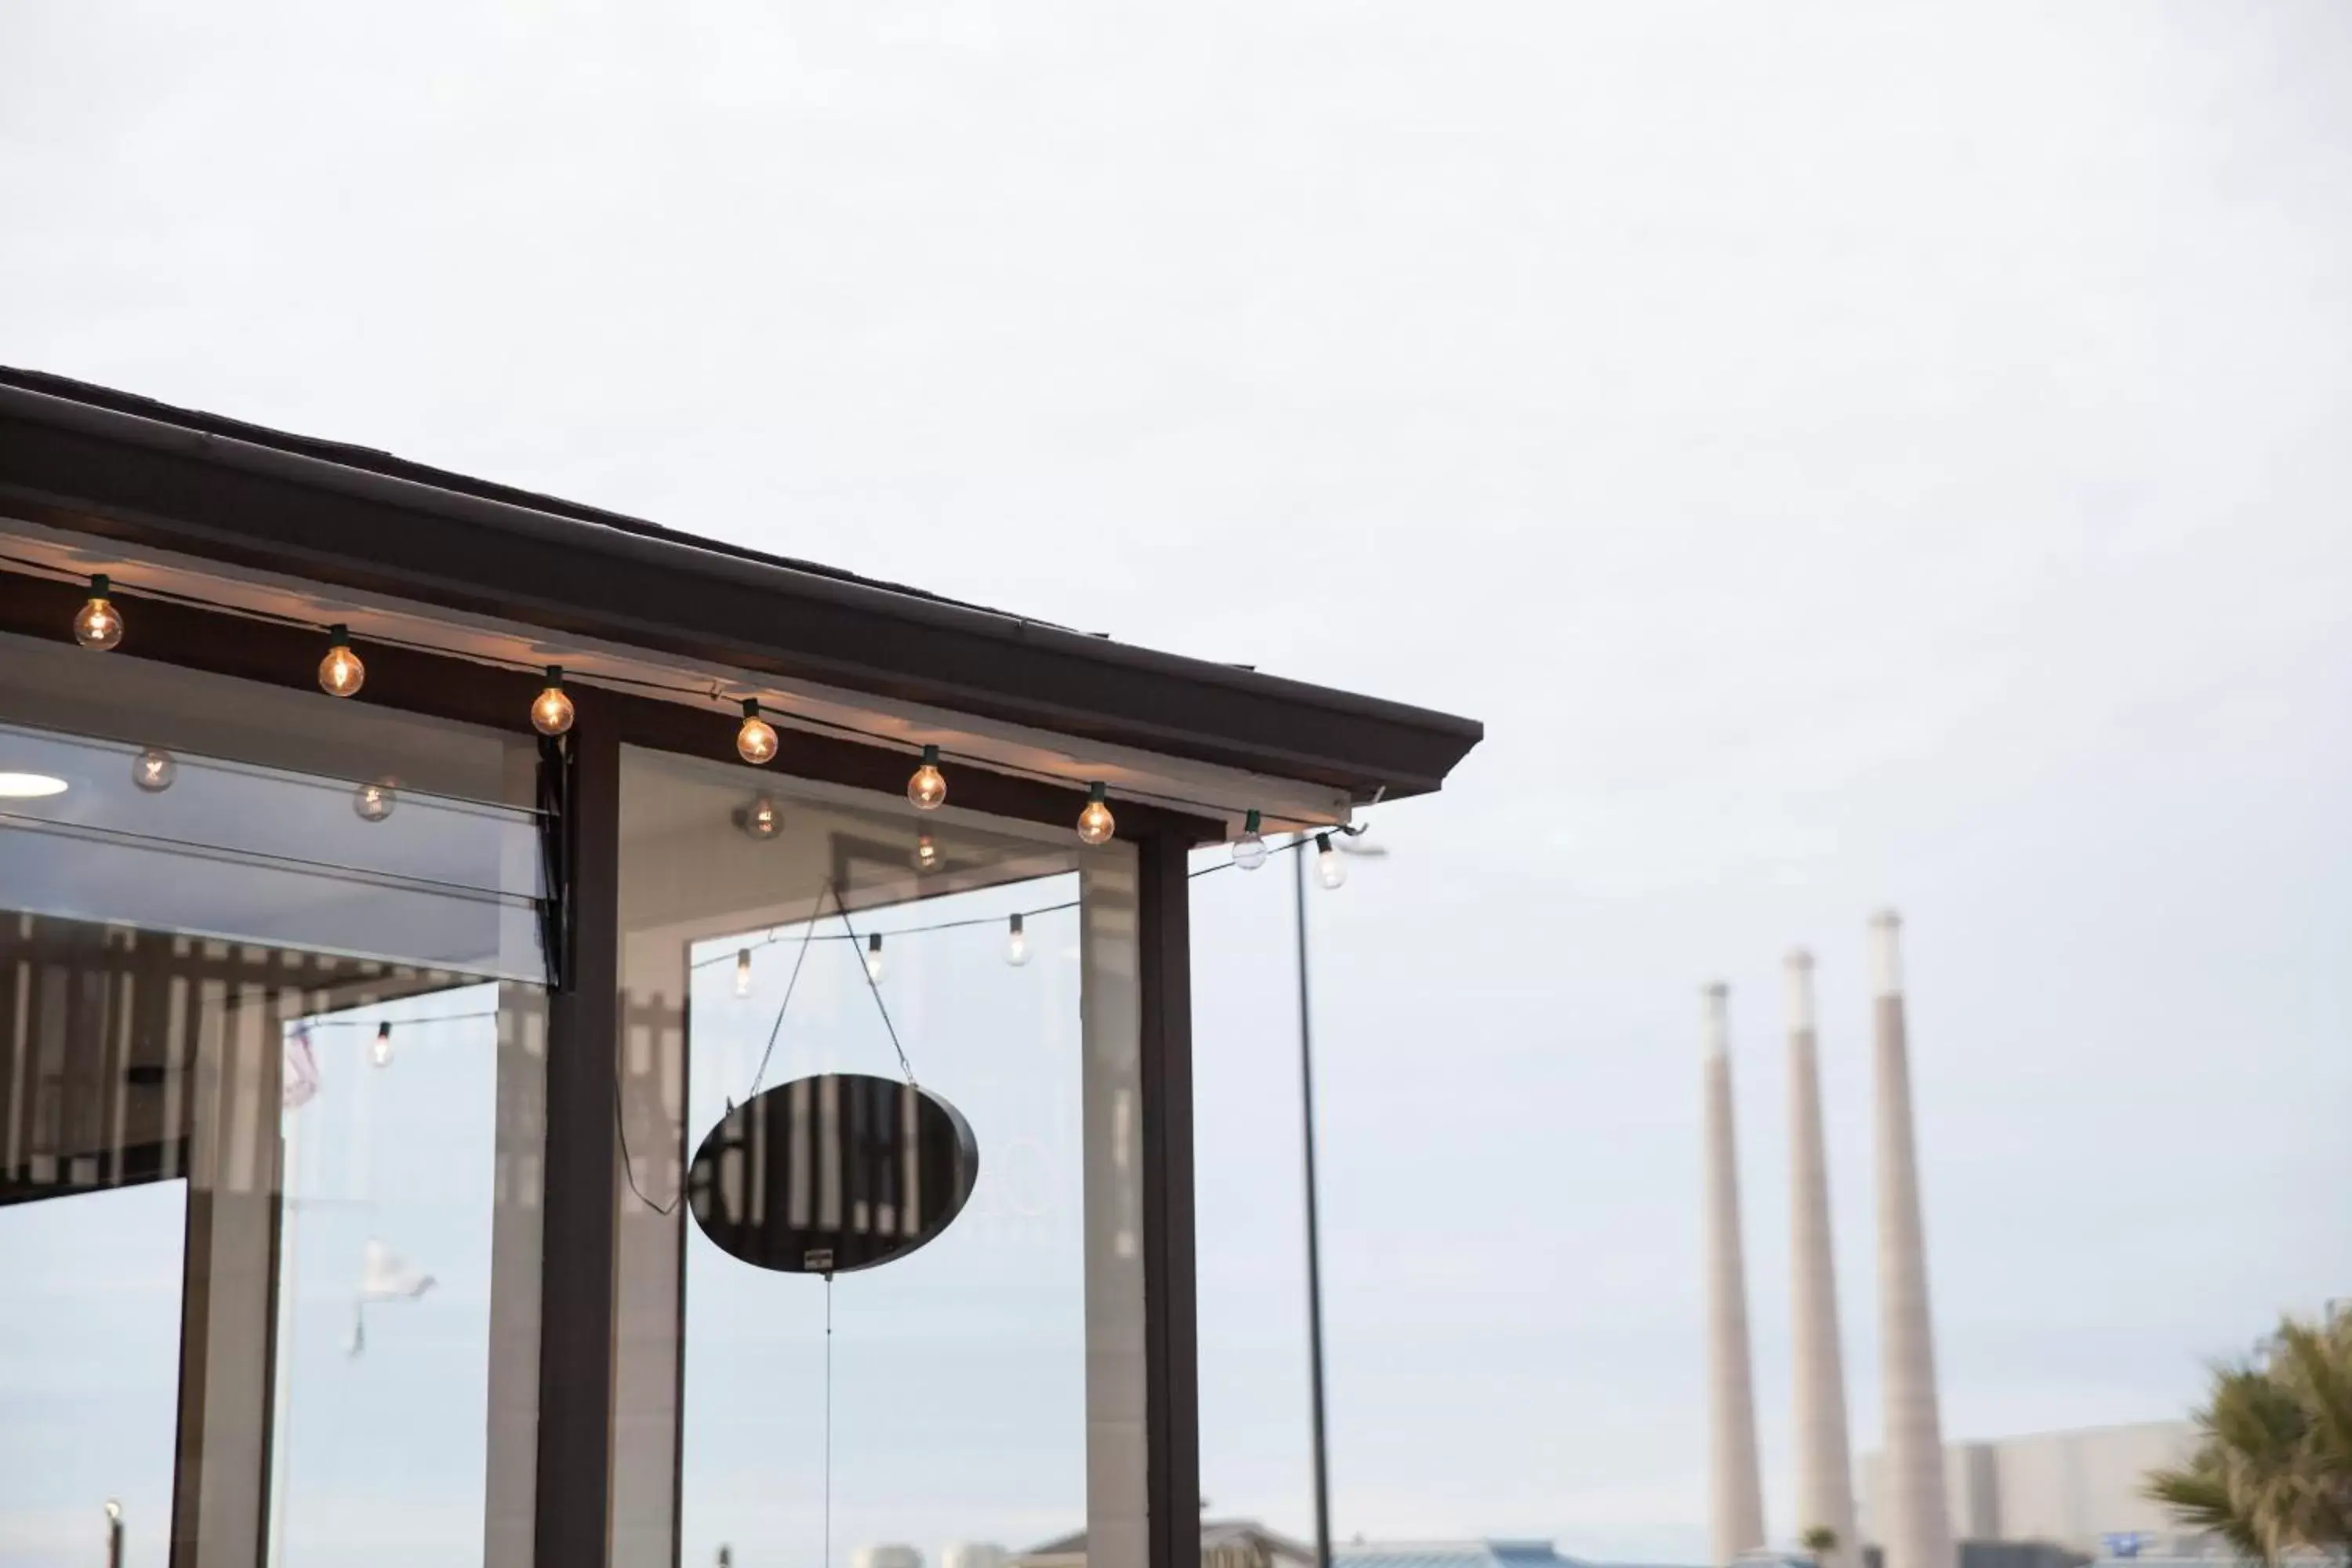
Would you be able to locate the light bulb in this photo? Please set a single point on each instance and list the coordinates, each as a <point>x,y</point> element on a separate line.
<point>1249,849</point>
<point>1329,870</point>
<point>340,672</point>
<point>761,819</point>
<point>874,957</point>
<point>551,710</point>
<point>929,788</point>
<point>1016,943</point>
<point>374,802</point>
<point>98,624</point>
<point>1096,823</point>
<point>379,1048</point>
<point>756,741</point>
<point>743,972</point>
<point>154,770</point>
<point>927,853</point>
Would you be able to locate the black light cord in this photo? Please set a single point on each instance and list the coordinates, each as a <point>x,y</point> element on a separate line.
<point>383,1024</point>
<point>629,1165</point>
<point>776,934</point>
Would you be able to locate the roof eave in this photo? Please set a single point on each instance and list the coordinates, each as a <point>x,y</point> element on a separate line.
<point>148,480</point>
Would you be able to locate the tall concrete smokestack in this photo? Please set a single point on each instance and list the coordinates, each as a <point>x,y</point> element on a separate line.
<point>1738,1514</point>
<point>1824,1467</point>
<point>1917,1520</point>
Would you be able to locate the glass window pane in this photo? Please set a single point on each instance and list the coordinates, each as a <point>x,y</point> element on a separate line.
<point>268,1270</point>
<point>392,1294</point>
<point>984,1388</point>
<point>217,808</point>
<point>89,1372</point>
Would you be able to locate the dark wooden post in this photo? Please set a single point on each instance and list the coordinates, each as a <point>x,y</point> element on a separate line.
<point>1171,1303</point>
<point>577,1236</point>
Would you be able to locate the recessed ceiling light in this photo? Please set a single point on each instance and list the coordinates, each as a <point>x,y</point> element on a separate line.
<point>29,786</point>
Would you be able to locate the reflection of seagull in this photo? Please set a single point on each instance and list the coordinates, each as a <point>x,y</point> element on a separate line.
<point>384,1276</point>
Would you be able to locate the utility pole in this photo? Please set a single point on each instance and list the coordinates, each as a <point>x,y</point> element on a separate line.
<point>113,1533</point>
<point>1314,1236</point>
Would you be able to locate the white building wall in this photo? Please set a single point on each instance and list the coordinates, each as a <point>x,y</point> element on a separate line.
<point>2071,1487</point>
<point>2074,1487</point>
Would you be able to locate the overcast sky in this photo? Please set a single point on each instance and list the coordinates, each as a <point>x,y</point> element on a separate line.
<point>1847,455</point>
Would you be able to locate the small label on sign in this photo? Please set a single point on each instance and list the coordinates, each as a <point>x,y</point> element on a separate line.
<point>817,1260</point>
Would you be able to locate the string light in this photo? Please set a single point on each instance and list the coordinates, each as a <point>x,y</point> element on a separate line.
<point>1016,943</point>
<point>374,802</point>
<point>1329,870</point>
<point>98,624</point>
<point>755,742</point>
<point>379,1048</point>
<point>1013,922</point>
<point>927,853</point>
<point>1249,849</point>
<point>761,819</point>
<point>340,672</point>
<point>551,710</point>
<point>154,770</point>
<point>743,972</point>
<point>874,957</point>
<point>928,790</point>
<point>1096,823</point>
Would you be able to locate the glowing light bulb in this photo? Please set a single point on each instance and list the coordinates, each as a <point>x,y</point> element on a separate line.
<point>374,802</point>
<point>1016,943</point>
<point>874,958</point>
<point>743,972</point>
<point>929,788</point>
<point>551,710</point>
<point>1096,823</point>
<point>761,819</point>
<point>154,770</point>
<point>341,673</point>
<point>1249,849</point>
<point>927,853</point>
<point>379,1048</point>
<point>1329,870</point>
<point>98,624</point>
<point>755,742</point>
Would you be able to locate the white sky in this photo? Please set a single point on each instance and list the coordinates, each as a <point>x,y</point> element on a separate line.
<point>1847,455</point>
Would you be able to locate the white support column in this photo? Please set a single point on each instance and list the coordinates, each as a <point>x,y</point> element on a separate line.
<point>1824,1464</point>
<point>1737,1515</point>
<point>1917,1520</point>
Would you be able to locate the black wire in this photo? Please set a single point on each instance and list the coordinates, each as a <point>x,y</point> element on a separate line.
<point>628,1165</point>
<point>620,1125</point>
<point>397,1023</point>
<point>875,986</point>
<point>827,1561</point>
<point>775,1029</point>
<point>775,933</point>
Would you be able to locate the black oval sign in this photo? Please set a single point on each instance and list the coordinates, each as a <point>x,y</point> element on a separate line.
<point>833,1173</point>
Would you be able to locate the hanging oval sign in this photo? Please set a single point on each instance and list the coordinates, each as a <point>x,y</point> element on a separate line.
<point>833,1173</point>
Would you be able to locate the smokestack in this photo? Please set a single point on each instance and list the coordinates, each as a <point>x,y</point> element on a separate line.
<point>1824,1467</point>
<point>1918,1522</point>
<point>1738,1513</point>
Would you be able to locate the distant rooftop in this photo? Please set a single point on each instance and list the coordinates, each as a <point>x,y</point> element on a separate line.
<point>1451,1555</point>
<point>1246,1534</point>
